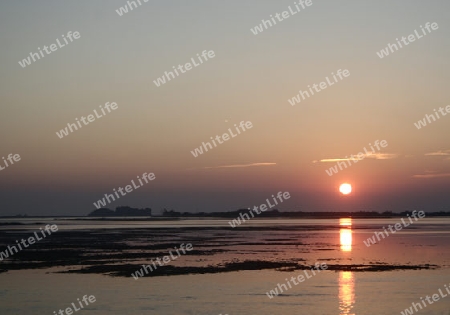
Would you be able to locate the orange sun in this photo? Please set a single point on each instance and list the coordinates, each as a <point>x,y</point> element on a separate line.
<point>345,189</point>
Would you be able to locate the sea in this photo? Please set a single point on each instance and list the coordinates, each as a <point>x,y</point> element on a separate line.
<point>379,279</point>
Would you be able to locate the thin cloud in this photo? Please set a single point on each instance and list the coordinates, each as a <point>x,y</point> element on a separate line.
<point>439,153</point>
<point>337,160</point>
<point>241,165</point>
<point>368,155</point>
<point>432,175</point>
<point>385,156</point>
<point>236,165</point>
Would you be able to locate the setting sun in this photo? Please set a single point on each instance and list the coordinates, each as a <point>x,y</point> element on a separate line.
<point>345,189</point>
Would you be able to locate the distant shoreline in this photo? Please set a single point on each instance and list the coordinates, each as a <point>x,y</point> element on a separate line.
<point>274,214</point>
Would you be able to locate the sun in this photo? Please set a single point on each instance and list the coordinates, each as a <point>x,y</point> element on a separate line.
<point>345,189</point>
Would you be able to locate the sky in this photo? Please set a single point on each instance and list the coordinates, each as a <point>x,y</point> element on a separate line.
<point>251,78</point>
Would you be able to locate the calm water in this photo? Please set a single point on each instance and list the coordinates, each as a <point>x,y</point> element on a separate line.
<point>244,292</point>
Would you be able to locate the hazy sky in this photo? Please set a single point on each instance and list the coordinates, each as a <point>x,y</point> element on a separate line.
<point>250,78</point>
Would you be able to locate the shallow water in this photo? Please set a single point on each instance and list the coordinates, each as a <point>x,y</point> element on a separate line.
<point>244,292</point>
<point>41,291</point>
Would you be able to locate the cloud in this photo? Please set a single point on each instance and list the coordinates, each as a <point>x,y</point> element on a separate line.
<point>368,155</point>
<point>239,165</point>
<point>384,156</point>
<point>337,160</point>
<point>432,175</point>
<point>439,153</point>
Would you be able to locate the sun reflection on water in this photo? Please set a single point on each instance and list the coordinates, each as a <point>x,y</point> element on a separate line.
<point>346,234</point>
<point>346,293</point>
<point>346,278</point>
